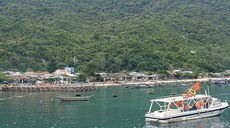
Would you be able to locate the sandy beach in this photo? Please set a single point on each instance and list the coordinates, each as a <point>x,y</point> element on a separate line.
<point>109,83</point>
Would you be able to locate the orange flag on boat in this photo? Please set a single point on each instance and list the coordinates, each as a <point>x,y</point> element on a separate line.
<point>196,86</point>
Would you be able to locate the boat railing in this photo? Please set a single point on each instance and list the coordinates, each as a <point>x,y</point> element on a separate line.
<point>162,97</point>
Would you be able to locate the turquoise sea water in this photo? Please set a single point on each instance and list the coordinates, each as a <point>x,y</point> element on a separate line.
<point>43,110</point>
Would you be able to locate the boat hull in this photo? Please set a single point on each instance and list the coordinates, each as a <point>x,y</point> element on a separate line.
<point>75,98</point>
<point>186,115</point>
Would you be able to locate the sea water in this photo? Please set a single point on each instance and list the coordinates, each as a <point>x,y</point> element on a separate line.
<point>44,110</point>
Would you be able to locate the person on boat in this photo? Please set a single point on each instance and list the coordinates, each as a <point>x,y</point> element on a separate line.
<point>189,93</point>
<point>197,105</point>
<point>201,103</point>
<point>187,107</point>
<point>205,104</point>
<point>192,91</point>
<point>179,104</point>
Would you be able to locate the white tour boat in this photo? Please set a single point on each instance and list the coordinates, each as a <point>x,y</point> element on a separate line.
<point>187,106</point>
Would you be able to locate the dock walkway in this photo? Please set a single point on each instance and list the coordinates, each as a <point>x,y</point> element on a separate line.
<point>54,88</point>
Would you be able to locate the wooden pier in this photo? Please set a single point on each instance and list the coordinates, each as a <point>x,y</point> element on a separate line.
<point>55,88</point>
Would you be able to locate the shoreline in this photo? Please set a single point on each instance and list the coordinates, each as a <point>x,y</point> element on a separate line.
<point>148,82</point>
<point>99,84</point>
<point>94,85</point>
<point>120,83</point>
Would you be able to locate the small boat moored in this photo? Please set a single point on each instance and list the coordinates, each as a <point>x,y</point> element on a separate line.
<point>115,95</point>
<point>78,94</point>
<point>141,86</point>
<point>83,98</point>
<point>187,106</point>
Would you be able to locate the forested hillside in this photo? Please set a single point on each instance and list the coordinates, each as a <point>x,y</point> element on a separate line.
<point>115,35</point>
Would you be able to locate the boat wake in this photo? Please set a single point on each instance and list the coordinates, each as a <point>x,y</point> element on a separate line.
<point>20,96</point>
<point>5,98</point>
<point>211,122</point>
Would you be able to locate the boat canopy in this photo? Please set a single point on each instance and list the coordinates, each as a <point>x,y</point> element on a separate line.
<point>179,98</point>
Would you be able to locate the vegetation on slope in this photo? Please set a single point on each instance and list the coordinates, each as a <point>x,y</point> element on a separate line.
<point>116,35</point>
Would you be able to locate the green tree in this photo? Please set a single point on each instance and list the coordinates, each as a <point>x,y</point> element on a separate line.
<point>100,57</point>
<point>98,78</point>
<point>52,65</point>
<point>178,75</point>
<point>163,74</point>
<point>91,67</point>
<point>4,78</point>
<point>82,77</point>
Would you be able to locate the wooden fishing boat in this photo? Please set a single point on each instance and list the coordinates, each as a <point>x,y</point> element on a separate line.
<point>82,98</point>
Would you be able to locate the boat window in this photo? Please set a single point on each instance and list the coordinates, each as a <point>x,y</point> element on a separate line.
<point>216,102</point>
